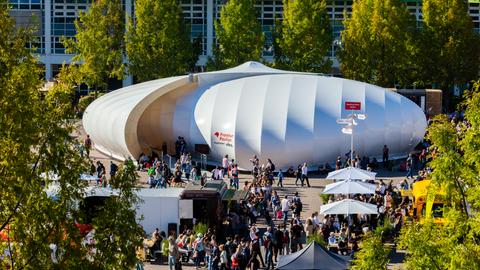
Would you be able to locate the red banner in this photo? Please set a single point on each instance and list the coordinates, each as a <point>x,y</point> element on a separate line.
<point>353,106</point>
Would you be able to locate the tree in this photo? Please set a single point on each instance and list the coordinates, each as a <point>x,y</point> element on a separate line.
<point>38,212</point>
<point>455,168</point>
<point>450,49</point>
<point>99,43</point>
<point>159,42</point>
<point>377,44</point>
<point>117,234</point>
<point>239,35</point>
<point>373,255</point>
<point>305,36</point>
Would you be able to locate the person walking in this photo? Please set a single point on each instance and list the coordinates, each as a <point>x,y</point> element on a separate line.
<point>269,253</point>
<point>385,156</point>
<point>87,143</point>
<point>298,175</point>
<point>223,258</point>
<point>113,171</point>
<point>235,181</point>
<point>172,253</point>
<point>280,178</point>
<point>285,204</point>
<point>305,174</point>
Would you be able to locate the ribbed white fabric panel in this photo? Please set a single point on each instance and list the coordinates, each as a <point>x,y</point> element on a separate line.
<point>291,118</point>
<point>275,108</point>
<point>107,117</point>
<point>328,141</point>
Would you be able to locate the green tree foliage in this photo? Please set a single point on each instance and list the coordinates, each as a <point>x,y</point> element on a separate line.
<point>450,49</point>
<point>159,42</point>
<point>117,234</point>
<point>84,101</point>
<point>99,43</point>
<point>305,36</point>
<point>239,35</point>
<point>377,42</point>
<point>373,255</point>
<point>38,212</point>
<point>456,166</point>
<point>32,138</point>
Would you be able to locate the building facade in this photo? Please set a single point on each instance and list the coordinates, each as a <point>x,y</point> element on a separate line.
<point>54,19</point>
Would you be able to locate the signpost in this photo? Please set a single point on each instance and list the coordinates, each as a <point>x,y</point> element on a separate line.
<point>353,106</point>
<point>350,122</point>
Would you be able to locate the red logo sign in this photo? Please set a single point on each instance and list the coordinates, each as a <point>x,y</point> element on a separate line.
<point>223,138</point>
<point>353,106</point>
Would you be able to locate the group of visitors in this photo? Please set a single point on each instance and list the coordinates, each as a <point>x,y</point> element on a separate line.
<point>229,169</point>
<point>160,175</point>
<point>247,244</point>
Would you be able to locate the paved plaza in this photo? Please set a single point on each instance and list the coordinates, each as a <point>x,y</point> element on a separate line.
<point>311,199</point>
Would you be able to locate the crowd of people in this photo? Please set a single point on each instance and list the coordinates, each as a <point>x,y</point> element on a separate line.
<point>265,225</point>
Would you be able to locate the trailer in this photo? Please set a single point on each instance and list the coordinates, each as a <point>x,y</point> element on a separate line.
<point>159,208</point>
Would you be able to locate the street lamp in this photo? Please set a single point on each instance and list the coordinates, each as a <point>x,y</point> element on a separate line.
<point>349,123</point>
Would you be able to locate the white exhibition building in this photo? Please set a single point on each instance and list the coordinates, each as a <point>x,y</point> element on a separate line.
<point>290,117</point>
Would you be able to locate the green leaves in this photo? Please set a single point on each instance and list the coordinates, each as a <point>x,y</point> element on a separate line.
<point>239,35</point>
<point>158,45</point>
<point>378,42</point>
<point>373,255</point>
<point>36,137</point>
<point>456,166</point>
<point>304,37</point>
<point>99,43</point>
<point>450,49</point>
<point>117,234</point>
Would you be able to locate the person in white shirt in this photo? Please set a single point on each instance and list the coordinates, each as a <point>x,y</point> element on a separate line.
<point>225,162</point>
<point>285,204</point>
<point>304,174</point>
<point>215,173</point>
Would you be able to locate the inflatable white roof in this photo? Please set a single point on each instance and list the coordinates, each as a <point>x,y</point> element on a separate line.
<point>289,117</point>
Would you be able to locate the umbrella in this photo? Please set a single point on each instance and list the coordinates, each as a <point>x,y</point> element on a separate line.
<point>347,207</point>
<point>351,173</point>
<point>349,187</point>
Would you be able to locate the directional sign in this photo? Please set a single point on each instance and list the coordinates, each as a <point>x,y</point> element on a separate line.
<point>343,121</point>
<point>361,116</point>
<point>347,130</point>
<point>353,106</point>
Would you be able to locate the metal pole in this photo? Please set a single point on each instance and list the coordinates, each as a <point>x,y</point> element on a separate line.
<point>351,144</point>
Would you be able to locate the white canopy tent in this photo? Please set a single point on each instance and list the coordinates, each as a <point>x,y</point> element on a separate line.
<point>351,173</point>
<point>349,187</point>
<point>347,207</point>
